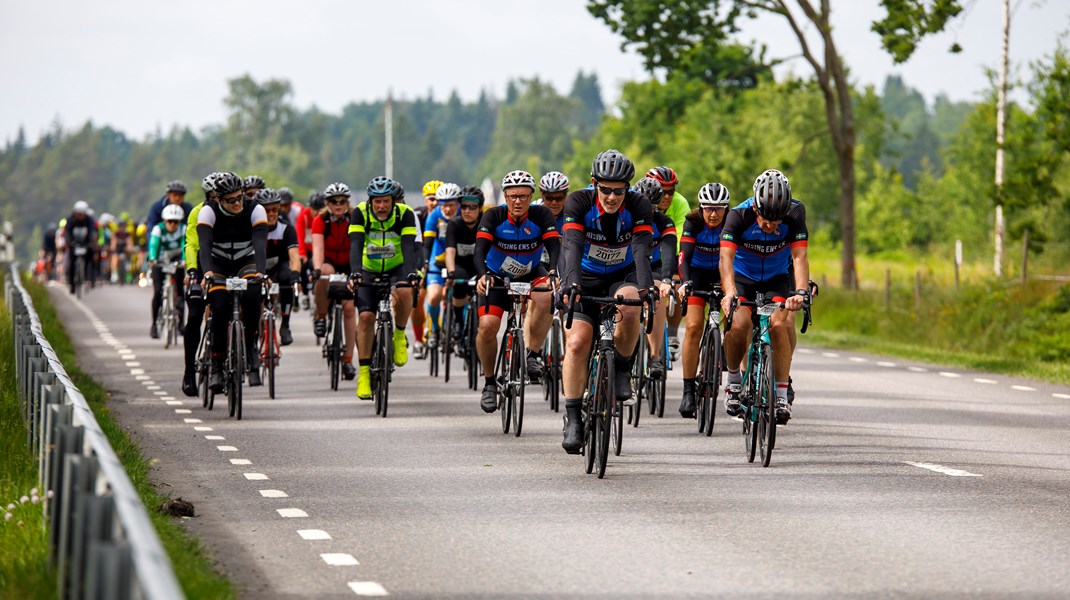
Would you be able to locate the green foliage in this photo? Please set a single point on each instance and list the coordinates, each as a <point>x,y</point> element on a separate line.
<point>906,22</point>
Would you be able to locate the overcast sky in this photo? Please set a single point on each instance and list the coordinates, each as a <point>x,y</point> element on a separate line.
<point>141,64</point>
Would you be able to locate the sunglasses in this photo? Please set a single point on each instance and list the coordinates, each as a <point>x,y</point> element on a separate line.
<point>467,206</point>
<point>338,202</point>
<point>613,191</point>
<point>234,200</point>
<point>555,198</point>
<point>668,192</point>
<point>172,222</point>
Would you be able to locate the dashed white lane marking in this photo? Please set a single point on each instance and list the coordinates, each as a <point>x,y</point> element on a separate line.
<point>142,377</point>
<point>256,476</point>
<point>367,588</point>
<point>274,494</point>
<point>1063,396</point>
<point>918,369</point>
<point>137,371</point>
<point>885,363</point>
<point>313,534</point>
<point>985,381</point>
<point>202,429</point>
<point>943,469</point>
<point>804,350</point>
<point>133,363</point>
<point>214,437</point>
<point>830,355</point>
<point>183,411</point>
<point>339,559</point>
<point>858,359</point>
<point>191,421</point>
<point>949,374</point>
<point>1023,388</point>
<point>240,461</point>
<point>227,448</point>
<point>167,398</point>
<point>150,386</point>
<point>291,513</point>
<point>174,402</point>
<point>159,393</point>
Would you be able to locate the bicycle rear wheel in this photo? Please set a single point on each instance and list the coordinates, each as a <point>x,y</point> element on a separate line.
<point>590,433</point>
<point>767,407</point>
<point>517,376</point>
<point>470,354</point>
<point>749,399</point>
<point>383,359</point>
<point>556,355</point>
<point>270,353</point>
<point>640,370</point>
<point>446,344</point>
<point>501,378</point>
<point>432,358</point>
<point>335,352</point>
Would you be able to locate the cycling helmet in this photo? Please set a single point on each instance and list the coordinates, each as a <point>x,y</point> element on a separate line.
<point>383,186</point>
<point>206,183</point>
<point>650,188</point>
<point>518,179</point>
<point>554,181</point>
<point>664,175</point>
<point>713,194</point>
<point>226,183</point>
<point>172,212</point>
<point>316,201</point>
<point>105,219</point>
<point>336,189</point>
<point>611,165</point>
<point>176,187</point>
<point>400,194</point>
<point>124,217</point>
<point>254,182</point>
<point>470,193</point>
<point>267,196</point>
<point>768,172</point>
<point>431,187</point>
<point>448,192</point>
<point>772,197</point>
<point>81,207</point>
<point>90,213</point>
<point>286,195</point>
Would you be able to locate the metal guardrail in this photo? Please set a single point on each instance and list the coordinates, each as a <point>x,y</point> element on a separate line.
<point>103,543</point>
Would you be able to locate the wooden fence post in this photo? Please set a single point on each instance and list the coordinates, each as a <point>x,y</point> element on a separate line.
<point>1025,256</point>
<point>958,261</point>
<point>917,289</point>
<point>888,288</point>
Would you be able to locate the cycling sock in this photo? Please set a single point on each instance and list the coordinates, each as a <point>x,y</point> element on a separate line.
<point>364,362</point>
<point>286,319</point>
<point>489,380</point>
<point>434,312</point>
<point>347,359</point>
<point>533,353</point>
<point>689,383</point>
<point>734,377</point>
<point>782,391</point>
<point>458,314</point>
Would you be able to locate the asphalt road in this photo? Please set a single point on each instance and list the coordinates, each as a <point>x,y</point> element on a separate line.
<point>893,479</point>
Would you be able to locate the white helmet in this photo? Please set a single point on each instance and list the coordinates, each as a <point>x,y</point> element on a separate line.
<point>448,192</point>
<point>82,207</point>
<point>106,219</point>
<point>518,179</point>
<point>173,212</point>
<point>768,173</point>
<point>554,181</point>
<point>713,194</point>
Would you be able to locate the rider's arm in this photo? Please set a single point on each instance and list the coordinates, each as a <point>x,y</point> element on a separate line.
<point>482,247</point>
<point>687,250</point>
<point>551,237</point>
<point>642,238</point>
<point>289,240</point>
<point>451,246</point>
<point>356,241</point>
<point>205,234</point>
<point>668,254</point>
<point>411,252</point>
<point>154,244</point>
<point>317,243</point>
<point>798,234</point>
<point>572,234</point>
<point>260,233</point>
<point>192,241</point>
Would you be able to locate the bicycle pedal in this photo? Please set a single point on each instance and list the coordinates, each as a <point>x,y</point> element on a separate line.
<point>631,401</point>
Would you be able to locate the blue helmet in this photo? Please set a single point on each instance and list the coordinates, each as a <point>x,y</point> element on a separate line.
<point>382,186</point>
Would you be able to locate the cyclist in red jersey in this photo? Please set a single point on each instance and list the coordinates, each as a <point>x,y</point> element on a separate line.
<point>330,255</point>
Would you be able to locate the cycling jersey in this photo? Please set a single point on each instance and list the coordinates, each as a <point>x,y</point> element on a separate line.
<point>303,227</point>
<point>599,243</point>
<point>193,245</point>
<point>761,256</point>
<point>678,210</point>
<point>280,239</point>
<point>156,212</point>
<point>663,230</point>
<point>80,233</point>
<point>291,216</point>
<point>509,248</point>
<point>463,238</point>
<point>232,240</point>
<point>435,230</point>
<point>166,246</point>
<point>379,246</point>
<point>701,247</point>
<point>122,233</point>
<point>335,234</point>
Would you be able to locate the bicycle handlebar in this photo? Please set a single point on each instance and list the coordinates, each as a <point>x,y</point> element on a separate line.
<point>574,291</point>
<point>716,295</point>
<point>736,303</point>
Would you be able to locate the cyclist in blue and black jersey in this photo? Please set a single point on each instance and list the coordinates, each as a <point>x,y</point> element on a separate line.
<point>509,244</point>
<point>553,188</point>
<point>700,249</point>
<point>663,265</point>
<point>434,240</point>
<point>461,251</point>
<point>763,249</point>
<point>607,253</point>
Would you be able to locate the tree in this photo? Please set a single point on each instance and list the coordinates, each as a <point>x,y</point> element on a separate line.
<point>669,33</point>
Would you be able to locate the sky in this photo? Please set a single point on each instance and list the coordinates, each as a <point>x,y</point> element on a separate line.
<point>140,65</point>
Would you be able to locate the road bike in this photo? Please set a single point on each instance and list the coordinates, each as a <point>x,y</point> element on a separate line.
<point>80,270</point>
<point>553,352</point>
<point>382,367</point>
<point>510,369</point>
<point>334,342</point>
<point>450,326</point>
<point>270,349</point>
<point>169,316</point>
<point>235,362</point>
<point>203,363</point>
<point>710,359</point>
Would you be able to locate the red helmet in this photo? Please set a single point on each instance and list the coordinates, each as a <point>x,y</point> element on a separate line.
<point>664,175</point>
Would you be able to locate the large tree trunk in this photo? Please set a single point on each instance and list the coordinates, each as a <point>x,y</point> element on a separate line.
<point>846,160</point>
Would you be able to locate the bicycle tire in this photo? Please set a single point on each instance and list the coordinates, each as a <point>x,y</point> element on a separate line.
<point>702,383</point>
<point>471,356</point>
<point>557,349</point>
<point>517,377</point>
<point>602,414</point>
<point>432,359</point>
<point>79,277</point>
<point>749,399</point>
<point>230,370</point>
<point>270,352</point>
<point>615,418</point>
<point>239,375</point>
<point>640,369</point>
<point>767,414</point>
<point>377,366</point>
<point>659,396</point>
<point>713,383</point>
<point>387,361</point>
<point>501,370</point>
<point>590,431</point>
<point>336,341</point>
<point>447,337</point>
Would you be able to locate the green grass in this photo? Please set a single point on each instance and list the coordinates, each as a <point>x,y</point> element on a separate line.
<point>190,558</point>
<point>24,568</point>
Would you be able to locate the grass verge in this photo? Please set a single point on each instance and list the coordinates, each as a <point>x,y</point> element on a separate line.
<point>199,579</point>
<point>24,568</point>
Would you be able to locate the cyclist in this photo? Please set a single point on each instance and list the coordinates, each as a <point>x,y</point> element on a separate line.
<point>330,255</point>
<point>141,243</point>
<point>383,247</point>
<point>461,251</point>
<point>79,232</point>
<point>122,243</point>
<point>607,253</point>
<point>509,244</point>
<point>663,265</point>
<point>48,249</point>
<point>175,193</point>
<point>700,250</point>
<point>253,184</point>
<point>195,301</point>
<point>753,260</point>
<point>104,229</point>
<point>232,235</point>
<point>165,245</point>
<point>419,316</point>
<point>434,239</point>
<point>676,206</point>
<point>282,257</point>
<point>553,187</point>
<point>290,209</point>
<point>315,206</point>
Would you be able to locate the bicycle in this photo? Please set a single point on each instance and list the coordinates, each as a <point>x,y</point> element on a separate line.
<point>81,258</point>
<point>168,316</point>
<point>270,351</point>
<point>234,365</point>
<point>553,352</point>
<point>468,340</point>
<point>710,359</point>
<point>382,367</point>
<point>758,396</point>
<point>510,369</point>
<point>446,344</point>
<point>203,363</point>
<point>602,416</point>
<point>334,342</point>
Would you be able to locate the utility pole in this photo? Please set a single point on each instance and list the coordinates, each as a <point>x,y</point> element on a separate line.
<point>389,123</point>
<point>1001,125</point>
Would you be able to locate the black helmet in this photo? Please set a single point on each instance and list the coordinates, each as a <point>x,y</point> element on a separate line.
<point>176,187</point>
<point>400,194</point>
<point>254,182</point>
<point>772,197</point>
<point>471,191</point>
<point>286,195</point>
<point>227,183</point>
<point>316,201</point>
<point>611,165</point>
<point>650,188</point>
<point>382,186</point>
<point>267,196</point>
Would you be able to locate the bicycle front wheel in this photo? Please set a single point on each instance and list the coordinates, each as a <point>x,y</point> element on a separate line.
<point>270,353</point>
<point>766,407</point>
<point>471,356</point>
<point>603,406</point>
<point>335,351</point>
<point>553,360</point>
<point>517,376</point>
<point>712,378</point>
<point>501,378</point>
<point>447,339</point>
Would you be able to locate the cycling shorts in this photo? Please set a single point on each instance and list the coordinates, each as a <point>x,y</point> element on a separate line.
<point>606,286</point>
<point>368,297</point>
<point>496,302</point>
<point>779,286</point>
<point>704,280</point>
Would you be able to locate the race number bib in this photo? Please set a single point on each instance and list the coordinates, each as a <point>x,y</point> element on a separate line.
<point>512,267</point>
<point>466,249</point>
<point>376,251</point>
<point>608,256</point>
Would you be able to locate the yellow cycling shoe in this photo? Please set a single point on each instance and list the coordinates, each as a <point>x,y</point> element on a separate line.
<point>364,383</point>
<point>401,348</point>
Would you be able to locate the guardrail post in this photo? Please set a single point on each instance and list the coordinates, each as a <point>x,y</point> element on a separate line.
<point>33,359</point>
<point>60,443</point>
<point>76,471</point>
<point>82,527</point>
<point>109,570</point>
<point>42,380</point>
<point>99,513</point>
<point>54,397</point>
